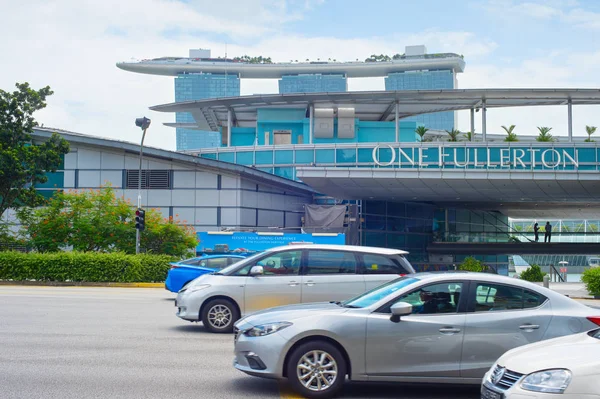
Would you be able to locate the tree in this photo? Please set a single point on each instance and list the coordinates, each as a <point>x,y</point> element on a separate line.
<point>98,220</point>
<point>471,264</point>
<point>533,273</point>
<point>469,136</point>
<point>545,135</point>
<point>23,163</point>
<point>511,135</point>
<point>421,130</point>
<point>454,133</point>
<point>590,130</point>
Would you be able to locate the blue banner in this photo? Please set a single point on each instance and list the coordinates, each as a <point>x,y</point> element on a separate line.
<point>245,243</point>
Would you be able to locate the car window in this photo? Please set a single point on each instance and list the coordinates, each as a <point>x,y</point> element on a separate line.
<point>496,297</point>
<point>380,264</point>
<point>217,263</point>
<point>283,263</point>
<point>330,262</point>
<point>231,261</point>
<point>191,262</point>
<point>378,293</point>
<point>432,299</point>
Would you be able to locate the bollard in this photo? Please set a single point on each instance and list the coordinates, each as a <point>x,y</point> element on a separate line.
<point>547,281</point>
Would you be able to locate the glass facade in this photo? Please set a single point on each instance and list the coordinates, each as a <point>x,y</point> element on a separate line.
<point>413,226</point>
<point>425,80</point>
<point>313,83</point>
<point>197,86</point>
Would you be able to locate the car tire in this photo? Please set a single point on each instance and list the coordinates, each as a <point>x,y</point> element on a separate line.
<point>301,373</point>
<point>219,315</point>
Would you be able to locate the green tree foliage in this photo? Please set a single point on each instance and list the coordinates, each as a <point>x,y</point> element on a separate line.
<point>98,220</point>
<point>378,58</point>
<point>453,134</point>
<point>534,274</point>
<point>23,163</point>
<point>545,135</point>
<point>590,130</point>
<point>421,130</point>
<point>511,135</point>
<point>471,264</point>
<point>254,60</point>
<point>469,136</point>
<point>591,279</point>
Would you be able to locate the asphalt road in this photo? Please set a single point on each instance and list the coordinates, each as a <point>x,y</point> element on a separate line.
<point>74,342</point>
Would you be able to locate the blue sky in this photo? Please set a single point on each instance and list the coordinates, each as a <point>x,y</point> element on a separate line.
<point>73,47</point>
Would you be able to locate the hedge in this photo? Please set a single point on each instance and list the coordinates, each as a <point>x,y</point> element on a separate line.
<point>84,267</point>
<point>591,278</point>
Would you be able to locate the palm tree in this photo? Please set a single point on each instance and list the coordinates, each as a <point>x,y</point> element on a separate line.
<point>590,130</point>
<point>469,136</point>
<point>453,134</point>
<point>421,130</point>
<point>511,135</point>
<point>545,135</point>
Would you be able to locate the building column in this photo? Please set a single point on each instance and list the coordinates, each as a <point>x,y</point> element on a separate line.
<point>570,120</point>
<point>311,118</point>
<point>472,124</point>
<point>229,128</point>
<point>396,123</point>
<point>483,121</point>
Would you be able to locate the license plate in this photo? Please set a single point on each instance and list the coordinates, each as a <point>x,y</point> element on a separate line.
<point>487,393</point>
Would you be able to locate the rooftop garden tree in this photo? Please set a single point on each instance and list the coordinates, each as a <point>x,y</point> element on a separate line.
<point>544,135</point>
<point>511,135</point>
<point>421,130</point>
<point>453,134</point>
<point>590,130</point>
<point>23,162</point>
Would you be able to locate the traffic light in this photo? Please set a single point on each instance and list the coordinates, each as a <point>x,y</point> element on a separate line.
<point>140,219</point>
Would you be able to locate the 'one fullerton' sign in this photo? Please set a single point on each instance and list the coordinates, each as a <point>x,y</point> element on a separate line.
<point>470,157</point>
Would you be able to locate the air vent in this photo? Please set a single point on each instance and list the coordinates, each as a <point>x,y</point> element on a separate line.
<point>151,179</point>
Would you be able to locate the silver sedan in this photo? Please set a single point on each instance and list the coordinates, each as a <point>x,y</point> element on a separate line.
<point>429,327</point>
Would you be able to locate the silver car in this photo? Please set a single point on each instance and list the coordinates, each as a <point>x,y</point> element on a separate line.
<point>429,327</point>
<point>287,275</point>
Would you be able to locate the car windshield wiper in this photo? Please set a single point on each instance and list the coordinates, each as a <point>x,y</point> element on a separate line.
<point>350,306</point>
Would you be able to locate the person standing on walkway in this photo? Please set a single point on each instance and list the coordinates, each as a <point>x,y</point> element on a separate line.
<point>536,232</point>
<point>548,234</point>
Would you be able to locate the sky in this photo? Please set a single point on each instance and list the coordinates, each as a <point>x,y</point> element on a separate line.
<point>73,47</point>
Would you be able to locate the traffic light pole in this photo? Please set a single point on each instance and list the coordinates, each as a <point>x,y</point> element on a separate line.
<point>139,202</point>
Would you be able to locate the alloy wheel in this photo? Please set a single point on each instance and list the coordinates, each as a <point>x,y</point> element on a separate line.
<point>219,316</point>
<point>317,370</point>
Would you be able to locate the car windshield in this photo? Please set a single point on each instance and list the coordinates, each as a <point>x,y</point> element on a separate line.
<point>595,334</point>
<point>192,261</point>
<point>378,293</point>
<point>233,268</point>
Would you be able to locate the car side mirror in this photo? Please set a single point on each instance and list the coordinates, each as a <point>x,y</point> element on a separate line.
<point>400,309</point>
<point>257,271</point>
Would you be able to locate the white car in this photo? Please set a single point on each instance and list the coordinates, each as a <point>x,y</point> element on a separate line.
<point>560,368</point>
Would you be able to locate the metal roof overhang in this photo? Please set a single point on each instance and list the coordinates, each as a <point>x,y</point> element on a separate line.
<point>518,194</point>
<point>377,105</point>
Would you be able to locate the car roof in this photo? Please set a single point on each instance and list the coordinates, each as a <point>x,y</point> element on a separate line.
<point>218,256</point>
<point>347,248</point>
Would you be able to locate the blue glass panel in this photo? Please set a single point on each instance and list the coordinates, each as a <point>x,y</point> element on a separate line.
<point>305,156</point>
<point>365,155</point>
<point>208,156</point>
<point>345,156</point>
<point>227,157</point>
<point>268,170</point>
<point>55,180</point>
<point>288,173</point>
<point>284,157</point>
<point>245,157</point>
<point>264,157</point>
<point>325,156</point>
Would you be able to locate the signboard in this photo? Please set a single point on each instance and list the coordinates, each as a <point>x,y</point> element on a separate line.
<point>474,157</point>
<point>241,242</point>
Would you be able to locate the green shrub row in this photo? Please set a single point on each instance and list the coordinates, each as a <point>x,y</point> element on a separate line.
<point>591,278</point>
<point>84,267</point>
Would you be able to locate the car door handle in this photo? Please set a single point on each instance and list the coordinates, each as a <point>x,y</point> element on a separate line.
<point>293,283</point>
<point>449,330</point>
<point>529,327</point>
<point>310,283</point>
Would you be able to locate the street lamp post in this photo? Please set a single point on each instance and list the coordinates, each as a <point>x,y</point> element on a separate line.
<point>144,124</point>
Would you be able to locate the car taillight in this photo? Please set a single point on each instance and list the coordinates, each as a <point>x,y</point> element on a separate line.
<point>174,267</point>
<point>595,320</point>
<point>402,275</point>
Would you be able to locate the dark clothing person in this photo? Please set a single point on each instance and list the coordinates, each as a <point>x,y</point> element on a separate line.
<point>548,234</point>
<point>536,232</point>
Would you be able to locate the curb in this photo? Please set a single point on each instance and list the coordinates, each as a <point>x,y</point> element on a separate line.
<point>82,284</point>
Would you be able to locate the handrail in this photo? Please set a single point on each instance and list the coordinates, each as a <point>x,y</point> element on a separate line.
<point>554,272</point>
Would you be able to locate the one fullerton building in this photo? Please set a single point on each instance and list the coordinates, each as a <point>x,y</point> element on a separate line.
<point>358,148</point>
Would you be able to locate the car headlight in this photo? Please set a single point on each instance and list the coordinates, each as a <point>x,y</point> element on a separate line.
<point>198,287</point>
<point>548,381</point>
<point>266,329</point>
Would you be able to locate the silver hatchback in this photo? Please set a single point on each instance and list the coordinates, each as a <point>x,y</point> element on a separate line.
<point>287,275</point>
<point>430,327</point>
